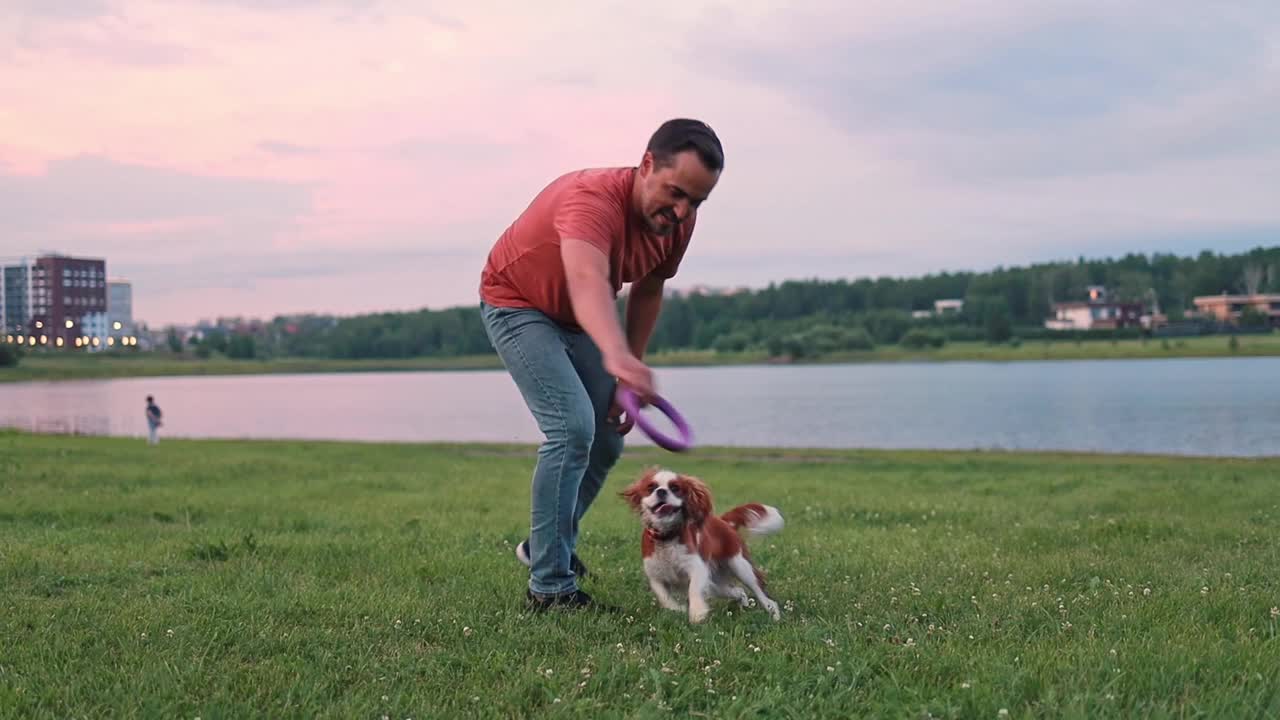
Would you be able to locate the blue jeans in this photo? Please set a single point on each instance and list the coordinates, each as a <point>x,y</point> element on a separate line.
<point>561,376</point>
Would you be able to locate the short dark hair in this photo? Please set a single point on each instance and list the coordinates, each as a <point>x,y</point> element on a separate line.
<point>680,134</point>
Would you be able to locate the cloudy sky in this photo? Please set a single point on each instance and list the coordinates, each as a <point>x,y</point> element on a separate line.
<point>255,157</point>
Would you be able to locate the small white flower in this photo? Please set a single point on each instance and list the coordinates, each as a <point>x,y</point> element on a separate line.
<point>1275,612</point>
<point>965,686</point>
<point>1003,713</point>
<point>830,669</point>
<point>466,631</point>
<point>169,632</point>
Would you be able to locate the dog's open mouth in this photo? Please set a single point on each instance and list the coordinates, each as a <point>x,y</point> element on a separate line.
<point>663,509</point>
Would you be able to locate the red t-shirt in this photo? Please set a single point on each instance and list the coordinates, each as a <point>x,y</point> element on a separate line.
<point>524,268</point>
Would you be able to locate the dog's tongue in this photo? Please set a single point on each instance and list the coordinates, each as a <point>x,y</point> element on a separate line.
<point>663,509</point>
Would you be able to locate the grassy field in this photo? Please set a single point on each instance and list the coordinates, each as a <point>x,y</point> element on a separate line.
<point>220,579</point>
<point>79,366</point>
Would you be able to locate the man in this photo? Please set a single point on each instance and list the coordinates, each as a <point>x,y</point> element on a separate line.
<point>548,292</point>
<point>153,421</point>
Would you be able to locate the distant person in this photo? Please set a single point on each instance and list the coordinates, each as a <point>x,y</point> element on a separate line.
<point>153,421</point>
<point>548,292</point>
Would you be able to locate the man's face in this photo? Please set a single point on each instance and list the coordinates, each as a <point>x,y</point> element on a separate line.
<point>669,194</point>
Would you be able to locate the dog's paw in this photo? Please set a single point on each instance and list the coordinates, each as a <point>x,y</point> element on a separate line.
<point>699,614</point>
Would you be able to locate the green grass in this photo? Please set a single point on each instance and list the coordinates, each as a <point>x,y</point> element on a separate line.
<point>226,579</point>
<point>79,366</point>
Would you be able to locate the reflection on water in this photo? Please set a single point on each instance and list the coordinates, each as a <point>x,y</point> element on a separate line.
<point>61,425</point>
<point>1221,406</point>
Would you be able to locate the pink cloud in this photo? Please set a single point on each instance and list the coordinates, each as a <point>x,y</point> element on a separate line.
<point>141,228</point>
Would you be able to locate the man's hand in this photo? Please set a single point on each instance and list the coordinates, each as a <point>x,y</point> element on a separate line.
<point>632,373</point>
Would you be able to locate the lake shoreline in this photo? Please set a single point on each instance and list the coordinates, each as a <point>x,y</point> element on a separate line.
<point>46,367</point>
<point>765,454</point>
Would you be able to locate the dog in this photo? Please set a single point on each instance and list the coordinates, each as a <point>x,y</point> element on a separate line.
<point>685,545</point>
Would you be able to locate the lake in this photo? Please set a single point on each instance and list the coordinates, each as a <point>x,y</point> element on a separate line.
<point>1219,407</point>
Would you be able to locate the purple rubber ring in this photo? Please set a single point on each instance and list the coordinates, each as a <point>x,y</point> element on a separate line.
<point>627,399</point>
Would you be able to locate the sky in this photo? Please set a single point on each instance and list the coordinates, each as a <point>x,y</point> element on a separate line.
<point>263,157</point>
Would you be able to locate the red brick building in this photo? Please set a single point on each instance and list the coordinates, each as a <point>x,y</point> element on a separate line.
<point>68,300</point>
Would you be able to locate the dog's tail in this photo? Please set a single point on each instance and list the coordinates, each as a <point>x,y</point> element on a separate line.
<point>755,518</point>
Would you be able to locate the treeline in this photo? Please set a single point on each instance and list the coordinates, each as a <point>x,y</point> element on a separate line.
<point>804,317</point>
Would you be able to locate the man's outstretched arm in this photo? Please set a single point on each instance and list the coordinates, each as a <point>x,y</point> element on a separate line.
<point>587,270</point>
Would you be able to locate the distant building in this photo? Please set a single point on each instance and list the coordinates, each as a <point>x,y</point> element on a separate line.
<point>120,307</point>
<point>95,332</point>
<point>47,300</point>
<point>940,308</point>
<point>1099,312</point>
<point>943,307</point>
<point>1228,308</point>
<point>67,291</point>
<point>15,296</point>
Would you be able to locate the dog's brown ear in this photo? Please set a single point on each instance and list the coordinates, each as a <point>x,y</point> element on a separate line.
<point>697,497</point>
<point>636,491</point>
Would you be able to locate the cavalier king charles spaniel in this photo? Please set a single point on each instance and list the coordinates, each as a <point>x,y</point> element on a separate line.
<point>685,546</point>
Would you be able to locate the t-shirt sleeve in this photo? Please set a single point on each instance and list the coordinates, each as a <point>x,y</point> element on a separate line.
<point>669,267</point>
<point>588,214</point>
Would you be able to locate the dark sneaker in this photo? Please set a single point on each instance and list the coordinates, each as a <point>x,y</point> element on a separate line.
<point>575,564</point>
<point>576,600</point>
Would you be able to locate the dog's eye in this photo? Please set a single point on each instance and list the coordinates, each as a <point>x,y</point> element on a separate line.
<point>677,489</point>
<point>652,487</point>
